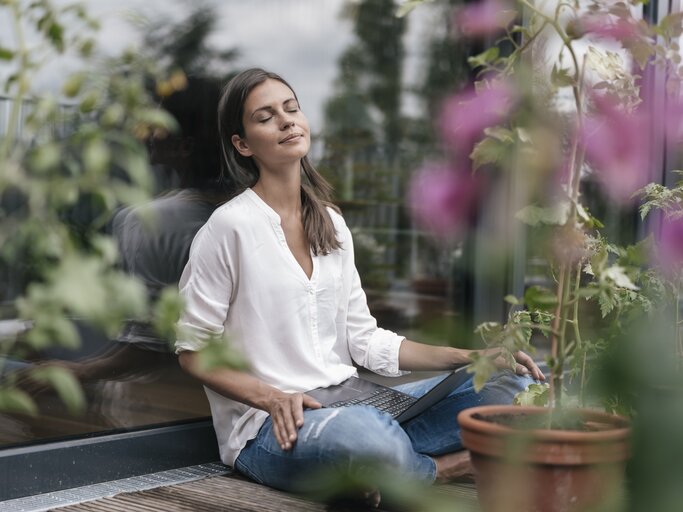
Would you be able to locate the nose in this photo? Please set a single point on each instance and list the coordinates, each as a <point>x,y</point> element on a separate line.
<point>287,120</point>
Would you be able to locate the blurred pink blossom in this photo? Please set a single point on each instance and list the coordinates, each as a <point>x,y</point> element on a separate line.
<point>605,25</point>
<point>616,145</point>
<point>441,199</point>
<point>464,116</point>
<point>670,243</point>
<point>483,18</point>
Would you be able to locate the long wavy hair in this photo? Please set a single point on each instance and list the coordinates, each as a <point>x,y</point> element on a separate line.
<point>316,192</point>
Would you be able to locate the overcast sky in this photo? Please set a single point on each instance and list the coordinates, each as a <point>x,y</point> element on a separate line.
<point>299,39</point>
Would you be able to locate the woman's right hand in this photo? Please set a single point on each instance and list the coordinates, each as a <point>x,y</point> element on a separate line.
<point>287,413</point>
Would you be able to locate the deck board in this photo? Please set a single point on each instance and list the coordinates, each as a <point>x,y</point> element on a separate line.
<point>233,493</point>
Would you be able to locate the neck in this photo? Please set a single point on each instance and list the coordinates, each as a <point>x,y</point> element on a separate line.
<point>281,191</point>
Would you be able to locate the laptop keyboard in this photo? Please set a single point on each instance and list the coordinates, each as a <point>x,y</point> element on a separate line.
<point>386,400</point>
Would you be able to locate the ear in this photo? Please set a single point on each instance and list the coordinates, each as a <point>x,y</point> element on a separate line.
<point>241,145</point>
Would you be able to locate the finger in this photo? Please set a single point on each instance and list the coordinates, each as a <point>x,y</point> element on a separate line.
<point>279,431</point>
<point>530,365</point>
<point>289,421</point>
<point>310,402</point>
<point>520,369</point>
<point>298,412</point>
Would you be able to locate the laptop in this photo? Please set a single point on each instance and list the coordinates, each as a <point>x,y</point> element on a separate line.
<point>403,407</point>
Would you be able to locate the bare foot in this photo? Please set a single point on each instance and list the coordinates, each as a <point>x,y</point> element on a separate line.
<point>452,466</point>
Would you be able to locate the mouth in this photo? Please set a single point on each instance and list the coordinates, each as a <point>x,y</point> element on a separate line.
<point>292,137</point>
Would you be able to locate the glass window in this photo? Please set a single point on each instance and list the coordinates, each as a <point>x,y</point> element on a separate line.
<point>371,93</point>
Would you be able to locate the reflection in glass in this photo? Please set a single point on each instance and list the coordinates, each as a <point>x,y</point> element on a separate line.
<point>134,380</point>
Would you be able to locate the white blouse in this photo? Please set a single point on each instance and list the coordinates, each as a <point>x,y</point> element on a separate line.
<point>296,333</point>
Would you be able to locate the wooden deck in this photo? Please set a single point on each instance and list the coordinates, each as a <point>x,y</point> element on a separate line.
<point>234,493</point>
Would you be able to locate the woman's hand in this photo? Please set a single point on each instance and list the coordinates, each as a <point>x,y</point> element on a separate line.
<point>287,413</point>
<point>525,364</point>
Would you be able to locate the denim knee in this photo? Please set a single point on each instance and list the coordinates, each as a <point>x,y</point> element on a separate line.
<point>363,433</point>
<point>502,387</point>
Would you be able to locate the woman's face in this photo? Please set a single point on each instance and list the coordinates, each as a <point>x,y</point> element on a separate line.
<point>276,132</point>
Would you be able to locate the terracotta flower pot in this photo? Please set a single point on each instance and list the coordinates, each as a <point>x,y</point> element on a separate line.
<point>544,470</point>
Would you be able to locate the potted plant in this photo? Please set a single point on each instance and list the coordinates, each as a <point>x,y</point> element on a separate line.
<point>539,137</point>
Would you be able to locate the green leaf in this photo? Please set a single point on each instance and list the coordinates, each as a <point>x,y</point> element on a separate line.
<point>587,219</point>
<point>555,215</point>
<point>617,275</point>
<point>607,302</point>
<point>408,6</point>
<point>113,115</point>
<point>167,310</point>
<point>640,50</point>
<point>639,254</point>
<point>17,401</point>
<point>488,151</point>
<point>671,26</point>
<point>482,367</point>
<point>219,353</point>
<point>534,395</point>
<point>588,293</point>
<point>537,297</point>
<point>500,133</point>
<point>107,248</point>
<point>65,384</point>
<point>490,332</point>
<point>72,85</point>
<point>130,293</point>
<point>89,102</point>
<point>561,77</point>
<point>511,299</point>
<point>64,332</point>
<point>484,58</point>
<point>86,47</point>
<point>46,157</point>
<point>157,118</point>
<point>6,54</point>
<point>96,157</point>
<point>55,33</point>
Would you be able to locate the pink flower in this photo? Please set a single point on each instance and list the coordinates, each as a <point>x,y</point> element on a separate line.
<point>464,116</point>
<point>670,243</point>
<point>483,18</point>
<point>605,25</point>
<point>441,199</point>
<point>616,146</point>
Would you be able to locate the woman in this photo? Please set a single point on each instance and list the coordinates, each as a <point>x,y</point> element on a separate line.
<point>274,268</point>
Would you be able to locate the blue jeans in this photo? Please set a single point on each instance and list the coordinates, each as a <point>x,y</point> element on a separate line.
<point>358,436</point>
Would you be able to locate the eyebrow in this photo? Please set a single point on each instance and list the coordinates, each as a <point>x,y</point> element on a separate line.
<point>270,108</point>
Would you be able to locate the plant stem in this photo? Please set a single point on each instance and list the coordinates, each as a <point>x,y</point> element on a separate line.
<point>577,334</point>
<point>556,380</point>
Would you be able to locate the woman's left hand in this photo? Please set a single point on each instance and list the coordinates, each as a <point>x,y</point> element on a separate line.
<point>525,365</point>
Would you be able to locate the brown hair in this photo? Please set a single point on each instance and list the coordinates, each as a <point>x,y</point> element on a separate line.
<point>316,192</point>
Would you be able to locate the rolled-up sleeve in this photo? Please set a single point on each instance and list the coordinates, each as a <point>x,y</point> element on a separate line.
<point>371,346</point>
<point>205,288</point>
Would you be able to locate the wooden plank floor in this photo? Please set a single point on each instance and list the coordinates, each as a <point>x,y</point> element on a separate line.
<point>230,493</point>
